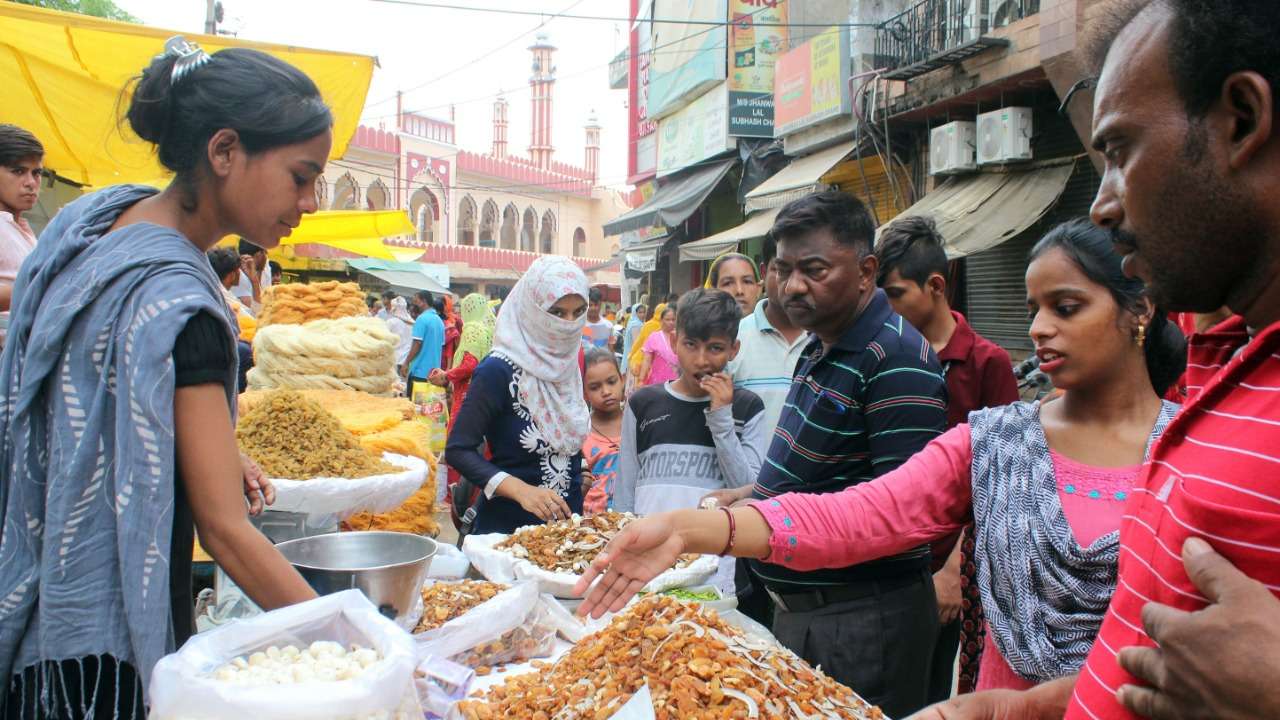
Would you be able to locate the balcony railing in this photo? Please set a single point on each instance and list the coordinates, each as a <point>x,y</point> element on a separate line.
<point>937,33</point>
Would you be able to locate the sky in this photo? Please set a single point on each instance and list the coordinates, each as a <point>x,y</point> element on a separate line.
<point>435,56</point>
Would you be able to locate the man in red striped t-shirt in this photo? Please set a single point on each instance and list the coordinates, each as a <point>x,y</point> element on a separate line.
<point>1185,113</point>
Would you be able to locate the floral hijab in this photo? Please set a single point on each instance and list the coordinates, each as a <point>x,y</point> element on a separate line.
<point>545,349</point>
<point>477,328</point>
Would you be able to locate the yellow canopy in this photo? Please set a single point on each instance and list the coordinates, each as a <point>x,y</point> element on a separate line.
<point>64,74</point>
<point>355,231</point>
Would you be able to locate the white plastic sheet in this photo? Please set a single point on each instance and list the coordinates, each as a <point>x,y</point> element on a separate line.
<point>501,566</point>
<point>182,687</point>
<point>347,496</point>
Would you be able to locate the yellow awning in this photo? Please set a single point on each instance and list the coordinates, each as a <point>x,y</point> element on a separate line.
<point>712,247</point>
<point>355,231</point>
<point>64,74</point>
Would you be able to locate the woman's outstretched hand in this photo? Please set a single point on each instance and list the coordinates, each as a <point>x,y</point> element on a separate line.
<point>643,550</point>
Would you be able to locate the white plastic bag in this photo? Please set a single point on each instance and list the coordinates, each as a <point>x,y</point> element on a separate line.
<point>348,496</point>
<point>512,626</point>
<point>448,563</point>
<point>182,687</point>
<point>501,566</point>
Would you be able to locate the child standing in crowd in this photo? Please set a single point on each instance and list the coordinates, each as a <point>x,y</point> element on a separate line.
<point>913,273</point>
<point>598,332</point>
<point>695,434</point>
<point>603,386</point>
<point>659,361</point>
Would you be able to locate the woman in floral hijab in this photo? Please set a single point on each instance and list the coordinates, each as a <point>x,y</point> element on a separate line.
<point>526,402</point>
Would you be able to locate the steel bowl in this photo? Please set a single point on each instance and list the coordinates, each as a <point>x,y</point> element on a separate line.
<point>388,567</point>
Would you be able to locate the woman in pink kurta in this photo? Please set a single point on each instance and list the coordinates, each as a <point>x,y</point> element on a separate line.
<point>660,363</point>
<point>1043,484</point>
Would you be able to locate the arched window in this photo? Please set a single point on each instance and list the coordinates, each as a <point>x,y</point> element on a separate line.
<point>346,193</point>
<point>528,229</point>
<point>510,220</point>
<point>377,197</point>
<point>547,235</point>
<point>489,224</point>
<point>322,193</point>
<point>424,208</point>
<point>579,242</point>
<point>467,221</point>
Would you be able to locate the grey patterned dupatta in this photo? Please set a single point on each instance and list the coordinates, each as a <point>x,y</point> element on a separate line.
<point>86,435</point>
<point>1044,596</point>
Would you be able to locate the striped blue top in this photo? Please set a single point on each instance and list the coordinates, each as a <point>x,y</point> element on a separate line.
<point>854,413</point>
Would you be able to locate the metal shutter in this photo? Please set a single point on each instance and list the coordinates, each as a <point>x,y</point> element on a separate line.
<point>995,282</point>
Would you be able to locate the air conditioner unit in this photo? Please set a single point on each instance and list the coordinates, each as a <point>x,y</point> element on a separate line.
<point>951,148</point>
<point>1004,136</point>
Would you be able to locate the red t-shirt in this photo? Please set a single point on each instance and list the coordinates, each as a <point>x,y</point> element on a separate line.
<point>979,373</point>
<point>1211,475</point>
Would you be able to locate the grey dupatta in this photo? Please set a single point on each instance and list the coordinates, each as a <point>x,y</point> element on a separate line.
<point>1044,596</point>
<point>86,436</point>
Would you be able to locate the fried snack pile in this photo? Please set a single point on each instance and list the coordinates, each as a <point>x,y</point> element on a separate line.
<point>292,437</point>
<point>566,546</point>
<point>297,303</point>
<point>697,666</point>
<point>445,601</point>
<point>380,424</point>
<point>357,353</point>
<point>361,413</point>
<point>569,546</point>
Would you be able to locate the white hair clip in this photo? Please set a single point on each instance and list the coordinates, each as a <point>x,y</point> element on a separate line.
<point>189,55</point>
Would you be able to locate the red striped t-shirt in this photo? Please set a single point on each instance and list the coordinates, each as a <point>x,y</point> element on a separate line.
<point>1213,474</point>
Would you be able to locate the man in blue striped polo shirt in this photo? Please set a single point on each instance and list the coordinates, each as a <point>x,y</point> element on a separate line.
<point>868,394</point>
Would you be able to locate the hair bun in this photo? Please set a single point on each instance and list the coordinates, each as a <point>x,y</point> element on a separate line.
<point>151,108</point>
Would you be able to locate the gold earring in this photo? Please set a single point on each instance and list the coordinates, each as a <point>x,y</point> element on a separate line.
<point>1142,334</point>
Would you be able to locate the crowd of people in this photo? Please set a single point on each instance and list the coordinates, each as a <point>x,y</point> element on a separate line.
<point>824,420</point>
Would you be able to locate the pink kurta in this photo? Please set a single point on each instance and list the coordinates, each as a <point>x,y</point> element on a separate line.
<point>928,497</point>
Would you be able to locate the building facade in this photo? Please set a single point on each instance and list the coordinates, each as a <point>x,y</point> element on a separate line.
<point>486,215</point>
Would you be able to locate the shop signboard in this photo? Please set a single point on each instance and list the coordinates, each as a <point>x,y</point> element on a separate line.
<point>698,131</point>
<point>688,52</point>
<point>757,37</point>
<point>811,82</point>
<point>642,150</point>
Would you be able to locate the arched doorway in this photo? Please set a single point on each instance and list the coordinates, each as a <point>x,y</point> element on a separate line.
<point>424,208</point>
<point>489,224</point>
<point>377,197</point>
<point>346,193</point>
<point>510,220</point>
<point>528,228</point>
<point>467,221</point>
<point>579,242</point>
<point>547,235</point>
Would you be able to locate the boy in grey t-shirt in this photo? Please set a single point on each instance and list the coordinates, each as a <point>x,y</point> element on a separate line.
<point>695,434</point>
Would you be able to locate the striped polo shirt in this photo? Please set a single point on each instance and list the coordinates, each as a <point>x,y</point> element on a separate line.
<point>853,414</point>
<point>1213,475</point>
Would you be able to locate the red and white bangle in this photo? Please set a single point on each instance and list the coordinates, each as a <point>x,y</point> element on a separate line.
<point>733,533</point>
